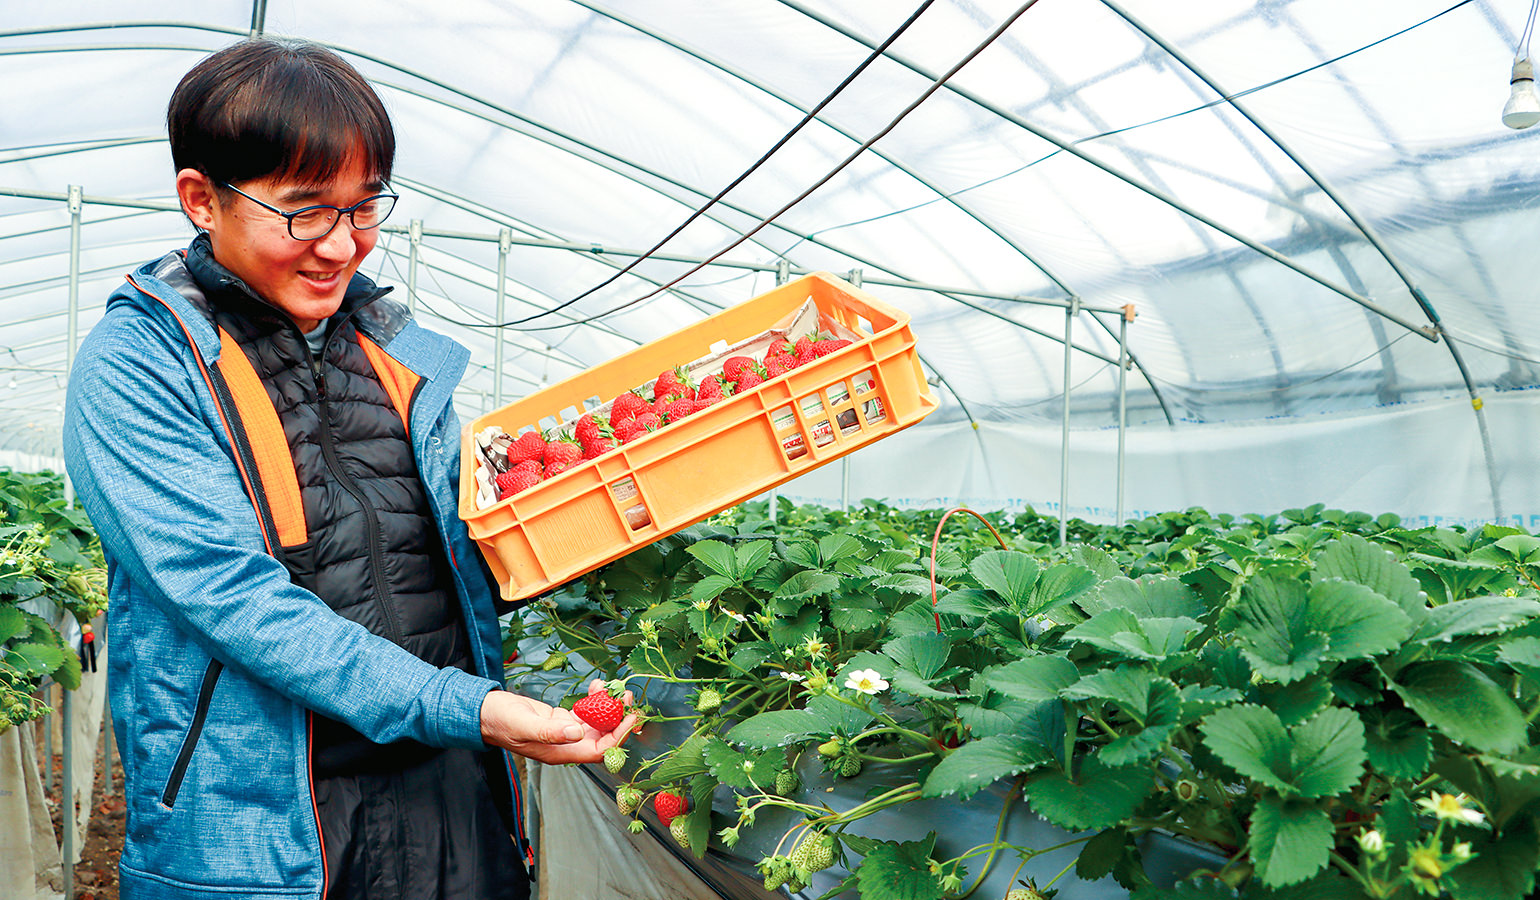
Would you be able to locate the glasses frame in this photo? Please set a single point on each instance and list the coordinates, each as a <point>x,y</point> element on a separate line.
<point>339,210</point>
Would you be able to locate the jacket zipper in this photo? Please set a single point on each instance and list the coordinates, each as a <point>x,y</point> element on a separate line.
<point>334,464</point>
<point>200,713</point>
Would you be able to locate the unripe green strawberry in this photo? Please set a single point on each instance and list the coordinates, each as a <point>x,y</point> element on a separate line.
<point>554,661</point>
<point>774,879</point>
<point>708,700</point>
<point>795,885</point>
<point>830,748</point>
<point>815,853</point>
<point>680,829</point>
<point>786,782</point>
<point>629,800</point>
<point>615,759</point>
<point>850,766</point>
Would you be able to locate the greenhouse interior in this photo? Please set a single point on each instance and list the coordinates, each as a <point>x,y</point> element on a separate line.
<point>1110,468</point>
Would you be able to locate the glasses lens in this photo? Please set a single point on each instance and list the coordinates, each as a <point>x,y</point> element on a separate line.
<point>312,223</point>
<point>373,211</point>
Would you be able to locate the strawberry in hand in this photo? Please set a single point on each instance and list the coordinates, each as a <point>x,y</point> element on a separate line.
<point>603,710</point>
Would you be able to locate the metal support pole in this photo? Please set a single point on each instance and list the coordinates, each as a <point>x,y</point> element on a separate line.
<point>67,815</point>
<point>48,739</point>
<point>414,238</point>
<point>1128,314</point>
<point>845,485</point>
<point>1069,333</point>
<point>504,244</point>
<point>782,271</point>
<point>72,335</point>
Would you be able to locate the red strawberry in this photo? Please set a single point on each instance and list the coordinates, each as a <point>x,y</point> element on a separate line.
<point>649,421</point>
<point>677,410</point>
<point>804,350</point>
<point>558,467</point>
<point>668,805</point>
<point>749,379</point>
<point>590,427</point>
<point>517,479</point>
<point>779,364</point>
<point>626,406</point>
<point>599,446</point>
<point>825,347</point>
<point>600,710</point>
<point>626,430</point>
<point>563,450</point>
<point>528,446</point>
<point>735,366</point>
<point>673,382</point>
<point>781,346</point>
<point>710,389</point>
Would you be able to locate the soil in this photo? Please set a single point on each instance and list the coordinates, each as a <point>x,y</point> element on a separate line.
<point>96,875</point>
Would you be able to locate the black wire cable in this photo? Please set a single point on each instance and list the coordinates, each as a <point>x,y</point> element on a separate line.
<point>926,95</point>
<point>811,115</point>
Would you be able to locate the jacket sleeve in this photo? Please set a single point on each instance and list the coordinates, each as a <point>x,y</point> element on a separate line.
<point>151,464</point>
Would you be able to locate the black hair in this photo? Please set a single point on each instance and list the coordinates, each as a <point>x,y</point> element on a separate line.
<point>280,108</point>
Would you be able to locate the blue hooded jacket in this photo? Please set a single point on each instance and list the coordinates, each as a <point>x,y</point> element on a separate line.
<point>215,655</point>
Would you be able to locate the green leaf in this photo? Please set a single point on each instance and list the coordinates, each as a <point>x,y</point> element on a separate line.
<point>1060,584</point>
<point>970,603</point>
<point>1524,548</point>
<point>34,660</point>
<point>1290,840</point>
<point>715,556</point>
<point>807,584</point>
<point>803,554</point>
<point>1009,573</point>
<point>996,715</point>
<point>893,871</point>
<point>1463,703</point>
<point>68,675</point>
<point>1399,746</point>
<point>1504,865</point>
<point>778,728</point>
<point>13,623</point>
<point>1296,702</point>
<point>1355,559</point>
<point>735,768</point>
<point>836,716</point>
<point>907,682</point>
<point>1477,615</point>
<point>1102,796</point>
<point>1100,854</point>
<point>1102,629</point>
<point>687,760</point>
<point>1199,700</point>
<point>1156,639</point>
<point>1127,686</point>
<point>1152,596</point>
<point>710,587</point>
<point>834,547</point>
<point>1097,560</point>
<point>1286,631</point>
<point>1320,758</point>
<point>1033,679</point>
<point>904,583</point>
<point>1521,653</point>
<point>979,763</point>
<point>1162,715</point>
<point>788,632</point>
<point>751,655</point>
<point>751,557</point>
<point>1328,753</point>
<point>924,654</point>
<point>852,613</point>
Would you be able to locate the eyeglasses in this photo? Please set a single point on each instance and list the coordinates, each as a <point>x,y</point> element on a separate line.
<point>315,222</point>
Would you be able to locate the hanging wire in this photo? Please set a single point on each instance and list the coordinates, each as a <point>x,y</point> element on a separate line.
<point>928,92</point>
<point>1219,101</point>
<point>1529,29</point>
<point>811,115</point>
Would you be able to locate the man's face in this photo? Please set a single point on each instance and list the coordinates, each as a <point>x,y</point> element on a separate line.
<point>305,279</point>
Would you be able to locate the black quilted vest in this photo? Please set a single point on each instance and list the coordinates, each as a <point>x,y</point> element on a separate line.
<point>373,551</point>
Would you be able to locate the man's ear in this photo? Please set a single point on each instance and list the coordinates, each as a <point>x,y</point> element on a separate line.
<point>196,192</point>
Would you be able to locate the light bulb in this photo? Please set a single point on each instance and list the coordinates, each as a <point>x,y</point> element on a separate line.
<point>1523,107</point>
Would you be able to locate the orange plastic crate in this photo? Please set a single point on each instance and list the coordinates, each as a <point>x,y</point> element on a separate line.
<point>722,455</point>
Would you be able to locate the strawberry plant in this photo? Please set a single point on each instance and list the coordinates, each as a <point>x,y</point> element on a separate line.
<point>50,568</point>
<point>1330,704</point>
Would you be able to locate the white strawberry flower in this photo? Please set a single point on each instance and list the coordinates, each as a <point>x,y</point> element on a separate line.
<point>866,681</point>
<point>791,676</point>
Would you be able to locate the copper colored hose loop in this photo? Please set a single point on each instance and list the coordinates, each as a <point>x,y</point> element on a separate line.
<point>935,545</point>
